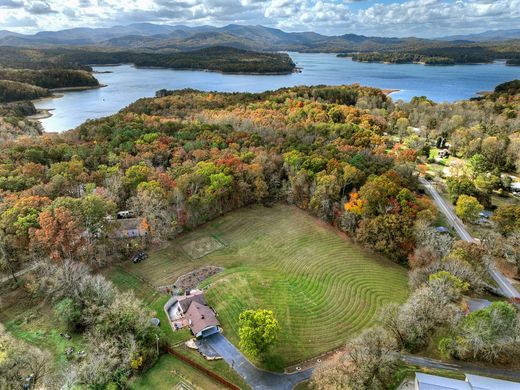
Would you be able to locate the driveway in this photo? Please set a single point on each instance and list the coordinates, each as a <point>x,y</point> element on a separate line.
<point>461,366</point>
<point>507,288</point>
<point>258,379</point>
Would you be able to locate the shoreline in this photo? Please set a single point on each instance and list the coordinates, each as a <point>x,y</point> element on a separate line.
<point>285,73</point>
<point>42,113</point>
<point>390,91</point>
<point>85,88</point>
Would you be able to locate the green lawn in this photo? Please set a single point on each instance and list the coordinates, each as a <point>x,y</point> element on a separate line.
<point>168,372</point>
<point>37,324</point>
<point>323,289</point>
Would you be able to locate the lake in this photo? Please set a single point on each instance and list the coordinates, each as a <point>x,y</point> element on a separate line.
<point>126,84</point>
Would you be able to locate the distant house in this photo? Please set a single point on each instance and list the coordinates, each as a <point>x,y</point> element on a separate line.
<point>191,310</point>
<point>472,382</point>
<point>131,227</point>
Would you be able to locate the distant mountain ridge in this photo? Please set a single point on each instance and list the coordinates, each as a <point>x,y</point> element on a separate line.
<point>155,37</point>
<point>180,37</point>
<point>486,36</point>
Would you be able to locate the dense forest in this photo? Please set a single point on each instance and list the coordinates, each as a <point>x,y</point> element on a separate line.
<point>50,78</point>
<point>221,59</point>
<point>448,55</point>
<point>346,154</point>
<point>11,91</point>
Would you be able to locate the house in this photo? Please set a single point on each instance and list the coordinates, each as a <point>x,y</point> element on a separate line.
<point>472,382</point>
<point>202,320</point>
<point>182,303</point>
<point>191,310</point>
<point>131,227</point>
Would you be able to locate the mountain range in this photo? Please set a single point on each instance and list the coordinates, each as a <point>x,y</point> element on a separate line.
<point>148,36</point>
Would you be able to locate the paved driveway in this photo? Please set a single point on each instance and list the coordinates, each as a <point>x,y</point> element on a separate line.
<point>258,379</point>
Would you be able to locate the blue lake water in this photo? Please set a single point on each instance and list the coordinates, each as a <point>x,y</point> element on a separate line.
<point>126,84</point>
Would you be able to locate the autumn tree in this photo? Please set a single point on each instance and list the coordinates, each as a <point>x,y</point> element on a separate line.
<point>370,364</point>
<point>258,330</point>
<point>150,202</point>
<point>468,208</point>
<point>19,360</point>
<point>486,334</point>
<point>507,219</point>
<point>60,234</point>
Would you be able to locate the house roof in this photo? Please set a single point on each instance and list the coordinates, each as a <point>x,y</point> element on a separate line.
<point>129,223</point>
<point>433,382</point>
<point>186,300</point>
<point>200,317</point>
<point>483,383</point>
<point>472,382</point>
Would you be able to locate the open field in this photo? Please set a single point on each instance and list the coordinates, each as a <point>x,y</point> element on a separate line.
<point>323,289</point>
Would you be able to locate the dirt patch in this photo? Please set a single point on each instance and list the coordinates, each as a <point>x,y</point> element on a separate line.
<point>202,246</point>
<point>194,278</point>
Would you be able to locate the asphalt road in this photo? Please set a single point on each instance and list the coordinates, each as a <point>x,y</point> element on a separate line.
<point>258,379</point>
<point>507,288</point>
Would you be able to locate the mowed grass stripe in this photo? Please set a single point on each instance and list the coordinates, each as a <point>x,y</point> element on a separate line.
<point>323,289</point>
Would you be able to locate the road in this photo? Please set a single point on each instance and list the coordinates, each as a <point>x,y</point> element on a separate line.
<point>461,367</point>
<point>19,273</point>
<point>507,288</point>
<point>258,379</point>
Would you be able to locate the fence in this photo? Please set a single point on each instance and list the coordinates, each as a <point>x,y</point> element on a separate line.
<point>199,367</point>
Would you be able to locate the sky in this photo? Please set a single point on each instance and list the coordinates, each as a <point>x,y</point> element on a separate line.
<point>420,18</point>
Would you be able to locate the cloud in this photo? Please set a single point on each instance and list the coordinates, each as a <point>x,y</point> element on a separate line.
<point>423,18</point>
<point>39,8</point>
<point>11,4</point>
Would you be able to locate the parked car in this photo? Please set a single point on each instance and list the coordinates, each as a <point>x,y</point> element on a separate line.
<point>139,257</point>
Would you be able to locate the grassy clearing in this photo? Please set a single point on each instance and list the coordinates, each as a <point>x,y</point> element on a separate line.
<point>169,372</point>
<point>37,325</point>
<point>323,289</point>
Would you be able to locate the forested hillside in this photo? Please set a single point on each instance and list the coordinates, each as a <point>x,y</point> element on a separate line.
<point>11,91</point>
<point>345,154</point>
<point>221,59</point>
<point>50,78</point>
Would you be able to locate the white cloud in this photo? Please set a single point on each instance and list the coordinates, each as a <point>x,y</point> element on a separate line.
<point>398,18</point>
